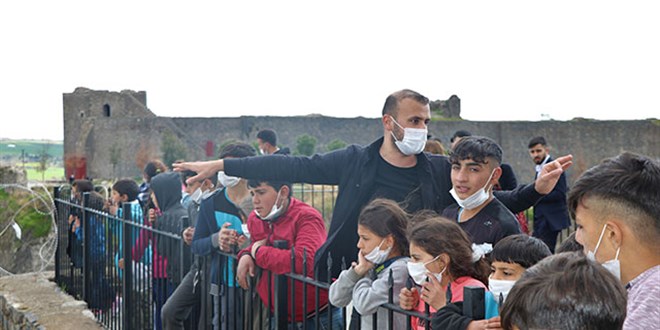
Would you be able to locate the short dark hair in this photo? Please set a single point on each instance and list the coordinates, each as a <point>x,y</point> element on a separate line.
<point>277,185</point>
<point>83,185</point>
<point>153,168</point>
<point>268,135</point>
<point>237,150</point>
<point>460,133</point>
<point>385,217</point>
<point>570,244</point>
<point>521,249</point>
<point>477,148</point>
<point>626,185</point>
<point>392,101</point>
<point>565,291</point>
<point>127,187</point>
<point>537,140</point>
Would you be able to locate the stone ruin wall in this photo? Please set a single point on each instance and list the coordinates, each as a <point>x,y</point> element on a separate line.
<point>138,132</point>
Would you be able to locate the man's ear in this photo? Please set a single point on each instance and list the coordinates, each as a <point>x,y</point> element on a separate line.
<point>615,234</point>
<point>285,191</point>
<point>497,174</point>
<point>387,122</point>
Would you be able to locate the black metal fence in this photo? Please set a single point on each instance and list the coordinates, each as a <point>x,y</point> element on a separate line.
<point>95,250</point>
<point>111,263</point>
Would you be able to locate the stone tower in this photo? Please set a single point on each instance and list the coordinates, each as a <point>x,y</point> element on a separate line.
<point>110,134</point>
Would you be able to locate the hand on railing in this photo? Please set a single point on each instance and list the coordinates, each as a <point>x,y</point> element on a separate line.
<point>245,267</point>
<point>120,263</point>
<point>188,234</point>
<point>409,298</point>
<point>76,224</point>
<point>433,293</point>
<point>228,237</point>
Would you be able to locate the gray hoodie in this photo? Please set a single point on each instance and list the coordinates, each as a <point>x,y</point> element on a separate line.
<point>167,188</point>
<point>367,294</point>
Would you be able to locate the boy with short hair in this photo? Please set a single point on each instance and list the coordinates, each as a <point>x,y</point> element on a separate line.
<point>565,291</point>
<point>615,206</point>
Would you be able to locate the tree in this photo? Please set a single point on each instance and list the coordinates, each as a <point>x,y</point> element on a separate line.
<point>305,145</point>
<point>172,148</point>
<point>336,144</point>
<point>44,157</point>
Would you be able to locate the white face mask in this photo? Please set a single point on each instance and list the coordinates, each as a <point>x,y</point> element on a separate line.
<point>226,180</point>
<point>613,266</point>
<point>196,196</point>
<point>261,151</point>
<point>500,287</point>
<point>414,140</point>
<point>378,256</point>
<point>275,211</point>
<point>475,200</point>
<point>417,271</point>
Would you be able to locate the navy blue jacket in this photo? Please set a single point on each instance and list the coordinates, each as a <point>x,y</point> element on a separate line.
<point>551,212</point>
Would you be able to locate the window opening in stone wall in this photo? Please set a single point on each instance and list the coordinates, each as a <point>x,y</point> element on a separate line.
<point>106,110</point>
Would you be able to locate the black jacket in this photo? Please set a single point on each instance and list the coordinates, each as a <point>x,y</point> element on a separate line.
<point>353,169</point>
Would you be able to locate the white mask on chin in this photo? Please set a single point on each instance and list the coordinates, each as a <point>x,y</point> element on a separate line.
<point>275,211</point>
<point>475,200</point>
<point>378,256</point>
<point>413,142</point>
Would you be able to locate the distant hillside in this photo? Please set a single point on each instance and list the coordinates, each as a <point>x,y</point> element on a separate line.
<point>12,149</point>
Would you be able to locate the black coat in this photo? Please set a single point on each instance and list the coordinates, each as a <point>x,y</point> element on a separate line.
<point>353,169</point>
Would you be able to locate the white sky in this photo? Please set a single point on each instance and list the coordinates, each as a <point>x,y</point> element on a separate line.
<point>506,60</point>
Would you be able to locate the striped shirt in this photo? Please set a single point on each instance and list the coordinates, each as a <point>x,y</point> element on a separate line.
<point>644,300</point>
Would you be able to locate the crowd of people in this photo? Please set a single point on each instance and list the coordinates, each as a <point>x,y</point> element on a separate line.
<point>442,228</point>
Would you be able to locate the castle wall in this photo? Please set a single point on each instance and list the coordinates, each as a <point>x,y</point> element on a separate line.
<point>137,133</point>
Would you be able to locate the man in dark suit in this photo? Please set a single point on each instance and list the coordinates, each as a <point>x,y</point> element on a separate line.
<point>551,212</point>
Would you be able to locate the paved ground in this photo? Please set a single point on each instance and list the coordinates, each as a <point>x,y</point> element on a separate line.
<point>37,294</point>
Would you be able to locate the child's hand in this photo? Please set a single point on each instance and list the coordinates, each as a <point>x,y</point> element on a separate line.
<point>408,298</point>
<point>433,293</point>
<point>226,237</point>
<point>188,234</point>
<point>363,265</point>
<point>152,215</point>
<point>121,263</point>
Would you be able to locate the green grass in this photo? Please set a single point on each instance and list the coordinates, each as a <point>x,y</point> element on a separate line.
<point>31,147</point>
<point>31,222</point>
<point>52,172</point>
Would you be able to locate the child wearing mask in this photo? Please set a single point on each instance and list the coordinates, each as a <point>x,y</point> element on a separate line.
<point>509,259</point>
<point>383,249</point>
<point>443,262</point>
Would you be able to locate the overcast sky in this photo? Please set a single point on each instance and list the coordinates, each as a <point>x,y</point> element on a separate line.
<point>506,60</point>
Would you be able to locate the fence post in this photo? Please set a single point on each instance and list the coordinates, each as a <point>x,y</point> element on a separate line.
<point>56,193</point>
<point>85,223</point>
<point>281,292</point>
<point>127,280</point>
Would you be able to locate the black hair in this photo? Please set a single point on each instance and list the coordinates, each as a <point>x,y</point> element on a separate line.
<point>537,140</point>
<point>627,185</point>
<point>570,244</point>
<point>237,150</point>
<point>565,291</point>
<point>392,101</point>
<point>460,134</point>
<point>154,168</point>
<point>187,174</point>
<point>268,135</point>
<point>127,187</point>
<point>385,217</point>
<point>521,249</point>
<point>83,186</point>
<point>277,185</point>
<point>477,148</point>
